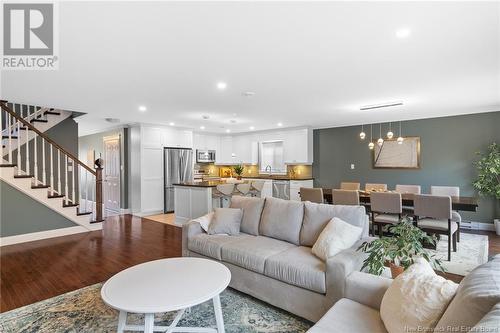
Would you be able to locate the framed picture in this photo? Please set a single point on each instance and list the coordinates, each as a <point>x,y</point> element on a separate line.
<point>391,155</point>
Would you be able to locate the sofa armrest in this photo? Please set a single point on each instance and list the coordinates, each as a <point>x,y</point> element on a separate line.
<point>190,229</point>
<point>340,266</point>
<point>367,289</point>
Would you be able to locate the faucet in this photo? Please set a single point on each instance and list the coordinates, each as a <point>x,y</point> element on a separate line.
<point>270,169</point>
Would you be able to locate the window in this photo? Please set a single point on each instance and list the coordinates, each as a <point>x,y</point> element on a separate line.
<point>271,155</point>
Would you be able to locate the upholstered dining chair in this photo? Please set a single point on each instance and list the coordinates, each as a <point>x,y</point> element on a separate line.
<point>311,194</point>
<point>256,188</point>
<point>370,187</point>
<point>345,197</point>
<point>350,186</point>
<point>223,191</point>
<point>414,189</point>
<point>452,191</point>
<point>433,215</point>
<point>386,209</point>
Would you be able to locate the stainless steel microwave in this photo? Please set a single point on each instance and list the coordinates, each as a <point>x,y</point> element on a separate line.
<point>205,156</point>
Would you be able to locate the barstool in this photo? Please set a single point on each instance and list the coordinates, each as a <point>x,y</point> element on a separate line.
<point>223,191</point>
<point>242,189</point>
<point>256,188</point>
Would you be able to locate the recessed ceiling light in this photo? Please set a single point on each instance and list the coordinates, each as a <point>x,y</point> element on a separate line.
<point>248,93</point>
<point>142,108</point>
<point>205,116</point>
<point>171,124</point>
<point>252,128</point>
<point>202,127</point>
<point>232,121</point>
<point>279,124</point>
<point>221,85</point>
<point>403,33</point>
<point>228,131</point>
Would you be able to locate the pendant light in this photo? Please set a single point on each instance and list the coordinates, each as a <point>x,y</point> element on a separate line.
<point>362,135</point>
<point>400,138</point>
<point>390,135</point>
<point>380,141</point>
<point>371,145</point>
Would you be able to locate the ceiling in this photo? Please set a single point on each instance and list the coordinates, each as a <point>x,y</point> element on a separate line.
<point>308,63</point>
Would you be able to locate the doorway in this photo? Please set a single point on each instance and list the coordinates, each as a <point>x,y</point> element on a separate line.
<point>111,175</point>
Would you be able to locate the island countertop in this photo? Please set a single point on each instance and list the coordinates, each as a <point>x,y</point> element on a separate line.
<point>210,183</point>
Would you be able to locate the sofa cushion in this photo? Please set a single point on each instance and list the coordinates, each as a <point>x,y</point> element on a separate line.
<point>226,221</point>
<point>416,299</point>
<point>476,295</point>
<point>490,322</point>
<point>251,253</point>
<point>252,210</point>
<point>349,316</point>
<point>317,216</point>
<point>282,219</point>
<point>211,245</point>
<point>299,267</point>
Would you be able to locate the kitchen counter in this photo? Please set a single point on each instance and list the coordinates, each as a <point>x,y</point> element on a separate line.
<point>210,183</point>
<point>277,177</point>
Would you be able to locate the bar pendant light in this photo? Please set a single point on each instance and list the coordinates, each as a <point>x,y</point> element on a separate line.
<point>400,138</point>
<point>380,141</point>
<point>362,135</point>
<point>390,135</point>
<point>371,145</point>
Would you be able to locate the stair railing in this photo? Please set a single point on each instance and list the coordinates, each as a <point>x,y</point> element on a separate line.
<point>50,165</point>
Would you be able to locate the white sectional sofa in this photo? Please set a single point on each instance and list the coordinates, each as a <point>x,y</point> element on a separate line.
<point>474,308</point>
<point>271,258</point>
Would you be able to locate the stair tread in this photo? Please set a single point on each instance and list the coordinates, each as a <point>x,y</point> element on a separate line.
<point>39,120</point>
<point>83,213</point>
<point>6,137</point>
<point>24,128</point>
<point>70,205</point>
<point>40,186</point>
<point>23,176</point>
<point>97,221</point>
<point>53,196</point>
<point>52,113</point>
<point>7,165</point>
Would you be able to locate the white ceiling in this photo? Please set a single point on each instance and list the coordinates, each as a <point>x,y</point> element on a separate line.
<point>309,63</point>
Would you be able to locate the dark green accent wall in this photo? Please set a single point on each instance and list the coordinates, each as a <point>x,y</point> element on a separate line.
<point>20,214</point>
<point>448,146</point>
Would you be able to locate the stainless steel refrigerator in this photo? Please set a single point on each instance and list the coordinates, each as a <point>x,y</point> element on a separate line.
<point>177,168</point>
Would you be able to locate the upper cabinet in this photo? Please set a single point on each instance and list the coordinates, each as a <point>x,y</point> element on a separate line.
<point>206,142</point>
<point>298,147</point>
<point>225,154</point>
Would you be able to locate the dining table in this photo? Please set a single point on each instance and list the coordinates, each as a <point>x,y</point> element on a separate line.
<point>461,203</point>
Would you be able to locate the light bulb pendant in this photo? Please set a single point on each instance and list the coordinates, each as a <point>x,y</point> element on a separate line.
<point>362,135</point>
<point>371,145</point>
<point>390,135</point>
<point>400,140</point>
<point>380,141</point>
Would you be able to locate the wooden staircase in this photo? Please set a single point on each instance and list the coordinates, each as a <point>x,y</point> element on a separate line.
<point>34,164</point>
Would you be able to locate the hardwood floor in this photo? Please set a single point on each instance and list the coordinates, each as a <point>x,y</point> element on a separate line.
<point>38,270</point>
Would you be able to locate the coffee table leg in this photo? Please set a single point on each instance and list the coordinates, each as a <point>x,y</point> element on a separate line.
<point>149,322</point>
<point>122,321</point>
<point>218,314</point>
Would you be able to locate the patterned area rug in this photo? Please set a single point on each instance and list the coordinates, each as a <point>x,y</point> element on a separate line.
<point>472,251</point>
<point>83,311</point>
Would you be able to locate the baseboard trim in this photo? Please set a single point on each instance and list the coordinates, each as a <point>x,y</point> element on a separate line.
<point>33,236</point>
<point>147,213</point>
<point>471,225</point>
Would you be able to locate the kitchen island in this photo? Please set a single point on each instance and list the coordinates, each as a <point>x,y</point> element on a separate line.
<point>192,200</point>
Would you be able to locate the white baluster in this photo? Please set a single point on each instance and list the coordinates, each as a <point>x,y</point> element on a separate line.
<point>27,145</point>
<point>1,134</point>
<point>73,180</point>
<point>44,172</point>
<point>10,137</point>
<point>66,178</point>
<point>59,171</point>
<point>18,148</point>
<point>51,170</point>
<point>35,157</point>
<point>86,190</point>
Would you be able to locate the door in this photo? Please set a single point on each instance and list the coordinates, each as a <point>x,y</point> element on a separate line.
<point>178,168</point>
<point>112,175</point>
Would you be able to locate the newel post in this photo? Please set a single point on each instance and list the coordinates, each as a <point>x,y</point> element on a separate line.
<point>98,193</point>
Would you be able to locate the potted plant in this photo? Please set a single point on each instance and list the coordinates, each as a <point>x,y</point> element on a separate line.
<point>399,250</point>
<point>487,182</point>
<point>238,170</point>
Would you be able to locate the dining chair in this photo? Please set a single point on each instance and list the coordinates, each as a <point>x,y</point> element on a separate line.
<point>345,197</point>
<point>350,186</point>
<point>242,189</point>
<point>369,187</point>
<point>256,188</point>
<point>386,209</point>
<point>223,191</point>
<point>452,191</point>
<point>311,194</point>
<point>433,215</point>
<point>414,189</point>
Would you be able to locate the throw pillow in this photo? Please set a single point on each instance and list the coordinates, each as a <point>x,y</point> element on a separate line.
<point>252,210</point>
<point>416,299</point>
<point>205,220</point>
<point>338,235</point>
<point>226,221</point>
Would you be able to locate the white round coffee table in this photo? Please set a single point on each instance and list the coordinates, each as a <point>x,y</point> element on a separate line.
<point>166,285</point>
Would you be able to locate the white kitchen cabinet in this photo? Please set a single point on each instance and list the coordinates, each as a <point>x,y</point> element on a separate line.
<point>295,186</point>
<point>225,153</point>
<point>177,138</point>
<point>206,142</point>
<point>298,148</point>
